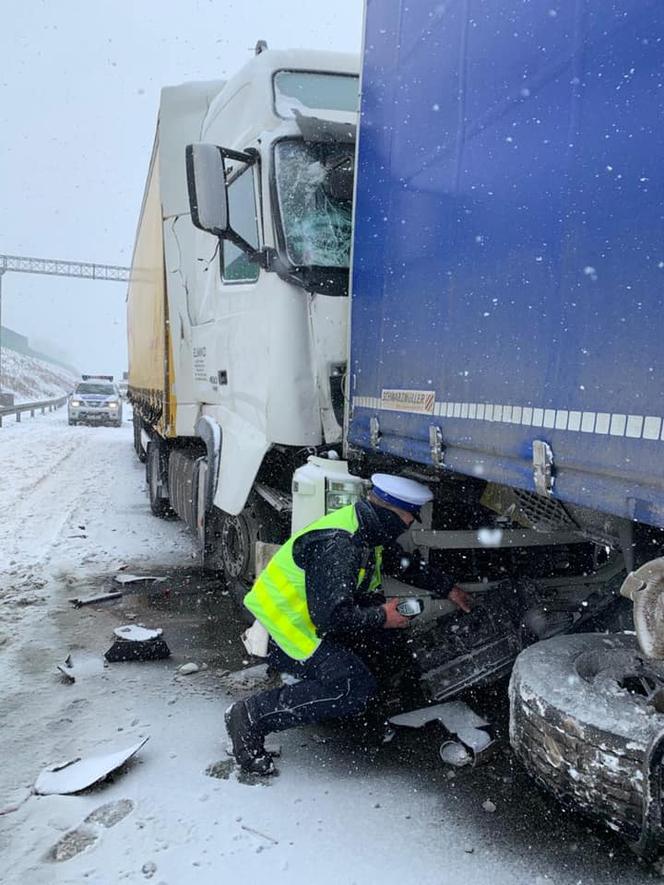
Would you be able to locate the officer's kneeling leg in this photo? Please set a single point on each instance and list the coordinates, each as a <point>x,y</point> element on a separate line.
<point>334,683</point>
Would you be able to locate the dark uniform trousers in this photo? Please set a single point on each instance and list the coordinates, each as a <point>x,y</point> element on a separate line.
<point>336,682</point>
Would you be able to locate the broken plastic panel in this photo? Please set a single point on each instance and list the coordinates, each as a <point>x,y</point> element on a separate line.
<point>474,741</point>
<point>79,774</point>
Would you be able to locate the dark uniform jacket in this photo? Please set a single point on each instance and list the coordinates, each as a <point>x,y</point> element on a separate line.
<point>332,559</point>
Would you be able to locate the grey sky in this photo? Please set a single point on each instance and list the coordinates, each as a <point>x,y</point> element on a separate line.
<point>79,90</point>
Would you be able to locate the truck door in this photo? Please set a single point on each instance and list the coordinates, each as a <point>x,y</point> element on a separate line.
<point>226,330</point>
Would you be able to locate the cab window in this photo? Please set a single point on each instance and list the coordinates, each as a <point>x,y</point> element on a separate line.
<point>242,211</point>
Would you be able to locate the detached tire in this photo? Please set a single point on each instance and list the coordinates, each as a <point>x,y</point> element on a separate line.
<point>581,725</point>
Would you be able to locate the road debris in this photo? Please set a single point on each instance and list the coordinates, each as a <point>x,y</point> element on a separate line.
<point>474,742</point>
<point>79,601</point>
<point>79,773</point>
<point>188,669</point>
<point>137,632</point>
<point>135,642</point>
<point>258,833</point>
<point>454,753</point>
<point>136,579</point>
<point>489,806</point>
<point>66,671</point>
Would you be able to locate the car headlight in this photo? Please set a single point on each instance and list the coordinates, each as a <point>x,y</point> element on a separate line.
<point>76,402</point>
<point>113,405</point>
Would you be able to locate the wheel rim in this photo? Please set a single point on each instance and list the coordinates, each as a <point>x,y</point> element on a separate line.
<point>622,670</point>
<point>235,546</point>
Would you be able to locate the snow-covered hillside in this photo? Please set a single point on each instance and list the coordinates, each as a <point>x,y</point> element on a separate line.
<point>31,379</point>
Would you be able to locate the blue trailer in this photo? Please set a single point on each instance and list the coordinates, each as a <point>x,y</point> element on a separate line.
<point>508,263</point>
<point>506,329</point>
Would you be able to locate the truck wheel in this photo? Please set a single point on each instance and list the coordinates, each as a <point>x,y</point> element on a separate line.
<point>154,471</point>
<point>138,448</point>
<point>230,544</point>
<point>583,712</point>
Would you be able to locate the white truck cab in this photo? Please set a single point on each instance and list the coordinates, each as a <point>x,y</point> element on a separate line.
<point>252,180</point>
<point>268,326</point>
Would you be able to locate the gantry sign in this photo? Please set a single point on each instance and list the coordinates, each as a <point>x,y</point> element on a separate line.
<point>57,268</point>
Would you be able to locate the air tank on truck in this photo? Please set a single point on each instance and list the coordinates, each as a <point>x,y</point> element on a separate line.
<point>237,305</point>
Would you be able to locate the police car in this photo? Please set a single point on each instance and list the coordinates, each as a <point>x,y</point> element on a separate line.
<point>95,400</point>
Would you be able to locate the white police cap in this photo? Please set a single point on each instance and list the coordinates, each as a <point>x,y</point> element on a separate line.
<point>401,492</point>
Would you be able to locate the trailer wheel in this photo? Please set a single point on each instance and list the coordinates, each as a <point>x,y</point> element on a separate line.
<point>154,473</point>
<point>584,711</point>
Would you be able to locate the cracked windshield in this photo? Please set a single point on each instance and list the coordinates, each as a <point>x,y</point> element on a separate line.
<point>315,186</point>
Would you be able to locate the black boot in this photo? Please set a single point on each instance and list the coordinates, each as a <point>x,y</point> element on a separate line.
<point>248,741</point>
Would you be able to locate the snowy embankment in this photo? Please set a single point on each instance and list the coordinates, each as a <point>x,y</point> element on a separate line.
<point>31,379</point>
<point>73,515</point>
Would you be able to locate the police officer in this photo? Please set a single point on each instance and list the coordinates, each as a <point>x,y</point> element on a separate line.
<point>318,600</point>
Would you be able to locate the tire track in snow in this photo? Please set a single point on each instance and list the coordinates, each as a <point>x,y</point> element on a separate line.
<point>38,505</point>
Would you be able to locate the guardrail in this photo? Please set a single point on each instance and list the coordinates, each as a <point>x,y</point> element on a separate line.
<point>22,408</point>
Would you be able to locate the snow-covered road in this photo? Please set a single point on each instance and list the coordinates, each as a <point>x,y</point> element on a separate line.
<point>72,513</point>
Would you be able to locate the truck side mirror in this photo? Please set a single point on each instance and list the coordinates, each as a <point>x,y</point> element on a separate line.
<point>206,183</point>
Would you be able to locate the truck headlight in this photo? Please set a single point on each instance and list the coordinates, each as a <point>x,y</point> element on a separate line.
<point>339,493</point>
<point>112,405</point>
<point>76,403</point>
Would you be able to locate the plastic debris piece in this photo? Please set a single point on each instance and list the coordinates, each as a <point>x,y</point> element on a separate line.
<point>66,673</point>
<point>79,774</point>
<point>137,632</point>
<point>255,640</point>
<point>474,738</point>
<point>136,579</point>
<point>77,601</point>
<point>454,753</point>
<point>454,715</point>
<point>137,650</point>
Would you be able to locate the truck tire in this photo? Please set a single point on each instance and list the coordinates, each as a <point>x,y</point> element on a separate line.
<point>154,473</point>
<point>138,448</point>
<point>581,724</point>
<point>230,545</point>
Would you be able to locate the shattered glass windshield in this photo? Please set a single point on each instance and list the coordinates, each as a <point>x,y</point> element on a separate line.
<point>315,186</point>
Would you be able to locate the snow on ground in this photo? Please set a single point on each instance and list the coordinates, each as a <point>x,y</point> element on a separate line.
<point>72,512</point>
<point>31,379</point>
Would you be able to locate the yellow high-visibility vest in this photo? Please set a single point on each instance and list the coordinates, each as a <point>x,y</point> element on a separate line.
<point>278,598</point>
